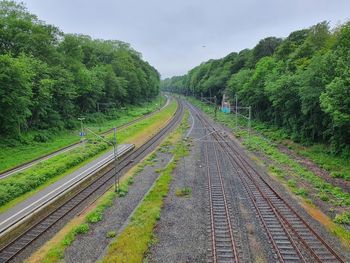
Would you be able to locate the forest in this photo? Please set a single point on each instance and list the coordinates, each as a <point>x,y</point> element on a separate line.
<point>48,78</point>
<point>300,83</point>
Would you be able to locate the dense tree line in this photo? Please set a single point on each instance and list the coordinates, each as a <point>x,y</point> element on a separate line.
<point>300,83</point>
<point>47,78</point>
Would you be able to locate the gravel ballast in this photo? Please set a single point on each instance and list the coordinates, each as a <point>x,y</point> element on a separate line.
<point>90,246</point>
<point>181,232</point>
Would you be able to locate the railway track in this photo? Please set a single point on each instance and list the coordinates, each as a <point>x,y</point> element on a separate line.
<point>100,185</point>
<point>70,147</point>
<point>223,246</point>
<point>292,238</point>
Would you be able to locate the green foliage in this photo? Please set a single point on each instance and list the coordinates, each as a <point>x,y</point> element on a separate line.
<point>335,195</point>
<point>183,192</point>
<point>343,218</point>
<point>300,84</point>
<point>34,144</point>
<point>23,182</point>
<point>137,237</point>
<point>48,77</point>
<point>82,229</point>
<point>122,191</point>
<point>111,234</point>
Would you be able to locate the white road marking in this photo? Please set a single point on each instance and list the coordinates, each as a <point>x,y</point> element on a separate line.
<point>55,190</point>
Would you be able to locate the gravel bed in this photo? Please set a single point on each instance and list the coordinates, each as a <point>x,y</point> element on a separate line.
<point>292,200</point>
<point>181,230</point>
<point>250,236</point>
<point>89,247</point>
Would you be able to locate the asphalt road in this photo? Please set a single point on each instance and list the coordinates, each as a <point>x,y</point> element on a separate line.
<point>37,201</point>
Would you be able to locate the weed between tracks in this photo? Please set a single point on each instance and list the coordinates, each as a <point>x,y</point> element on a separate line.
<point>293,175</point>
<point>47,172</point>
<point>132,244</point>
<point>53,251</point>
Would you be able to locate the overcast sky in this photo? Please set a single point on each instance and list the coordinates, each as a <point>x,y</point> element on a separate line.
<point>176,35</point>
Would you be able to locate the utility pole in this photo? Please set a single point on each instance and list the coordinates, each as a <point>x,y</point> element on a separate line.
<point>115,146</point>
<point>236,111</point>
<point>160,99</point>
<point>249,122</point>
<point>115,155</point>
<point>215,108</point>
<point>81,128</point>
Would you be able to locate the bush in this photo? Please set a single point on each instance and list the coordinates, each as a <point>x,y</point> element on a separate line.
<point>324,197</point>
<point>41,138</point>
<point>110,234</point>
<point>82,229</point>
<point>23,182</point>
<point>130,180</point>
<point>343,218</point>
<point>301,191</point>
<point>183,192</point>
<point>95,216</point>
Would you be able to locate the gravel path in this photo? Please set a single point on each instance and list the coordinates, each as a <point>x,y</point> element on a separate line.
<point>89,247</point>
<point>181,231</point>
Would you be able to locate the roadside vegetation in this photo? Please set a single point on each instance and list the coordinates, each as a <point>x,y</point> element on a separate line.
<point>302,182</point>
<point>40,175</point>
<point>49,78</point>
<point>38,143</point>
<point>142,222</point>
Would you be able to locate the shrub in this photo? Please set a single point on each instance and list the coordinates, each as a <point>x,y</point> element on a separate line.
<point>23,182</point>
<point>343,218</point>
<point>292,183</point>
<point>301,191</point>
<point>130,181</point>
<point>95,216</point>
<point>183,192</point>
<point>110,234</point>
<point>82,229</point>
<point>41,138</point>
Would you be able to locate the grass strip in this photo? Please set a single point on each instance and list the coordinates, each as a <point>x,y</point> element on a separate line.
<point>18,153</point>
<point>30,180</point>
<point>55,250</point>
<point>132,244</point>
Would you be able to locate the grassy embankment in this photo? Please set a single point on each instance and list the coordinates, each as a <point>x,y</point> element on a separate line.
<point>138,234</point>
<point>22,185</point>
<point>11,156</point>
<point>299,180</point>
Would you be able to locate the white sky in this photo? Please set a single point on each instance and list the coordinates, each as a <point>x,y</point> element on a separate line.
<point>171,34</point>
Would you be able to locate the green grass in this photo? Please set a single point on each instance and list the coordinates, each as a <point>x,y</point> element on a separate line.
<point>56,253</point>
<point>343,218</point>
<point>132,244</point>
<point>11,156</point>
<point>183,192</point>
<point>30,180</point>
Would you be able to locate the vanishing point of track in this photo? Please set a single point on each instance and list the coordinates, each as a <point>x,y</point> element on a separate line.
<point>100,185</point>
<point>292,238</point>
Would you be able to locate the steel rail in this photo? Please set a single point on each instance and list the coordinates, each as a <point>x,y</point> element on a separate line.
<point>103,183</point>
<point>218,204</point>
<point>240,161</point>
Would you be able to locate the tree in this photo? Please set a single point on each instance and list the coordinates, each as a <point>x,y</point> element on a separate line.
<point>15,94</point>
